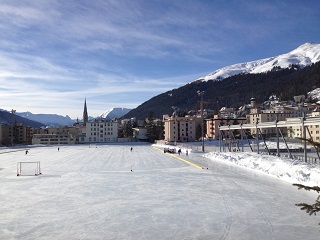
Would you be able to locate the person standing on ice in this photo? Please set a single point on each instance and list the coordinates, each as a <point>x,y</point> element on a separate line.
<point>131,149</point>
<point>179,151</point>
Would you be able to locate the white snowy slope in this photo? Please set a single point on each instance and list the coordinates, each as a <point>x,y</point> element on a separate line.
<point>304,55</point>
<point>114,113</point>
<point>314,94</point>
<point>282,168</point>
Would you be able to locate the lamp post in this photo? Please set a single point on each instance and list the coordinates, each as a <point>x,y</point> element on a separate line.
<point>200,93</point>
<point>257,134</point>
<point>277,134</point>
<point>304,135</point>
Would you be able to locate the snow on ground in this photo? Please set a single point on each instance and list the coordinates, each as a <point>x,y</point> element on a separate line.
<point>283,168</point>
<point>91,193</point>
<point>286,169</point>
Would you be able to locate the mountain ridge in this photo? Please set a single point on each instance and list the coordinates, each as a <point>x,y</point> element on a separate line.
<point>114,113</point>
<point>304,55</point>
<point>234,91</point>
<point>9,118</point>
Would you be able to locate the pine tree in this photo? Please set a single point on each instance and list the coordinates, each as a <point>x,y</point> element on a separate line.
<point>309,208</point>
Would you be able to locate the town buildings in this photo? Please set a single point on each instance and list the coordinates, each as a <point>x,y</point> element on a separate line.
<point>15,134</point>
<point>179,129</point>
<point>99,132</point>
<point>175,128</point>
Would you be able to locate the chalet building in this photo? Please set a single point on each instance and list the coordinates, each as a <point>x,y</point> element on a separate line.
<point>179,129</point>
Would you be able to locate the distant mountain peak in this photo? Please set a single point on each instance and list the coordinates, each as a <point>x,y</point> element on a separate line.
<point>114,113</point>
<point>304,55</point>
<point>47,119</point>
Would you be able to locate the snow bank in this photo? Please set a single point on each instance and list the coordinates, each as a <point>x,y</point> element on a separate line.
<point>289,170</point>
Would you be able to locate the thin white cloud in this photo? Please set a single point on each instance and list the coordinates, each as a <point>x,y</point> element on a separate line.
<point>53,53</point>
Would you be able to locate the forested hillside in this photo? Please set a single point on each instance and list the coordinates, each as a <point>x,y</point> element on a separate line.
<point>234,91</point>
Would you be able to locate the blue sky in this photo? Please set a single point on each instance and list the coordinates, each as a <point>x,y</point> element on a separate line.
<point>121,53</point>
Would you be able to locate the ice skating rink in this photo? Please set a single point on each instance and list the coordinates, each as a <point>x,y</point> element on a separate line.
<point>91,193</point>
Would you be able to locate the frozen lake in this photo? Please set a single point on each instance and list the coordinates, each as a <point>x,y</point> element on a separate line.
<point>91,193</point>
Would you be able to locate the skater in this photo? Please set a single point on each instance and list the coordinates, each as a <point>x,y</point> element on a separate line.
<point>26,152</point>
<point>131,149</point>
<point>179,151</point>
<point>187,152</point>
<point>58,149</point>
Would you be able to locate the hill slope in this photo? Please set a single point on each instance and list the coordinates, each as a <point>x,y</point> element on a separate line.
<point>9,118</point>
<point>233,91</point>
<point>114,113</point>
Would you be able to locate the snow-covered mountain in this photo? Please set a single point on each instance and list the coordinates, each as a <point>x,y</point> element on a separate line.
<point>314,94</point>
<point>47,119</point>
<point>114,113</point>
<point>304,55</point>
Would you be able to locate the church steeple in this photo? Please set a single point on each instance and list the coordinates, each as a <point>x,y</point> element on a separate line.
<point>85,112</point>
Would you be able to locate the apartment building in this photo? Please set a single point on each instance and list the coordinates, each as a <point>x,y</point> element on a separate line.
<point>212,125</point>
<point>16,134</point>
<point>313,131</point>
<point>280,113</point>
<point>179,129</point>
<point>6,134</point>
<point>53,139</point>
<point>99,132</point>
<point>74,131</point>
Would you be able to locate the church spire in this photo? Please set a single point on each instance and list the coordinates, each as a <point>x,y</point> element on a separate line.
<point>85,112</point>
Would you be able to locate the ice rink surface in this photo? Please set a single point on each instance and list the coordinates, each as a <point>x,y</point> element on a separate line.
<point>91,193</point>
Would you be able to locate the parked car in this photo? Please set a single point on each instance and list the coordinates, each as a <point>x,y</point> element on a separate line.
<point>169,150</point>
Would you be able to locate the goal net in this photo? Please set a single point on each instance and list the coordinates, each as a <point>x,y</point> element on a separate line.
<point>28,168</point>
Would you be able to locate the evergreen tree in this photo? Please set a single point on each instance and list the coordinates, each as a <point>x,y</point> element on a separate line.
<point>310,208</point>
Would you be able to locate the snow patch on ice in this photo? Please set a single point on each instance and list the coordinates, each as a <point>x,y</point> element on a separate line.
<point>286,169</point>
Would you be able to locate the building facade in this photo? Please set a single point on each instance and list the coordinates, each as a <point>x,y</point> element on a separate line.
<point>99,132</point>
<point>6,134</point>
<point>179,129</point>
<point>53,139</point>
<point>280,113</point>
<point>212,125</point>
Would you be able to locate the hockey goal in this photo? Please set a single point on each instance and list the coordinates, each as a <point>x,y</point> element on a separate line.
<point>28,168</point>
